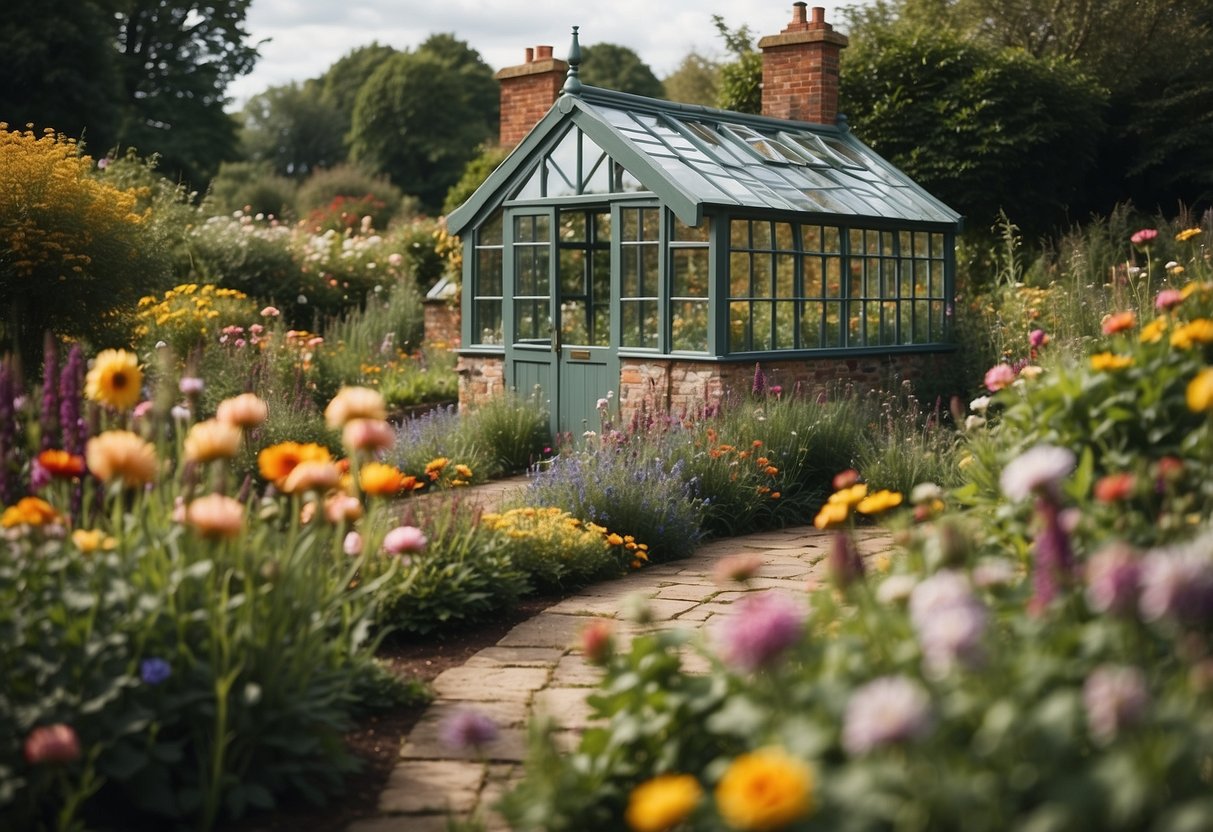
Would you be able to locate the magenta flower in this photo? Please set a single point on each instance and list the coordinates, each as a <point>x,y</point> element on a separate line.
<point>999,376</point>
<point>468,729</point>
<point>885,711</point>
<point>765,626</point>
<point>1113,575</point>
<point>1143,238</point>
<point>1114,698</point>
<point>1037,338</point>
<point>1177,583</point>
<point>1168,299</point>
<point>404,539</point>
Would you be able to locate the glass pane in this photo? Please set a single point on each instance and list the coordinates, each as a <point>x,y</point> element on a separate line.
<point>888,279</point>
<point>600,336</point>
<point>574,325</point>
<point>888,322</point>
<point>761,235</point>
<point>922,278</point>
<point>873,241</point>
<point>810,325</point>
<point>650,219</point>
<point>532,320</point>
<point>906,322</point>
<point>811,237</point>
<point>762,326</point>
<point>785,275</point>
<point>629,270</point>
<point>937,245</point>
<point>939,329</point>
<point>783,237</point>
<point>855,321</point>
<point>739,326</point>
<point>626,182</point>
<point>602,226</point>
<point>811,267</point>
<point>739,234</point>
<point>762,275</point>
<point>905,279</point>
<point>831,240</point>
<point>690,278</point>
<point>533,187</point>
<point>558,182</point>
<point>856,288</point>
<point>563,173</point>
<point>689,327</point>
<point>833,328</point>
<point>531,270</point>
<point>487,326</point>
<point>490,233</point>
<point>785,325</point>
<point>833,276</point>
<point>635,333</point>
<point>739,275</point>
<point>922,321</point>
<point>855,240</point>
<point>600,285</point>
<point>920,244</point>
<point>649,268</point>
<point>572,226</point>
<point>488,271</point>
<point>691,233</point>
<point>572,272</point>
<point>886,243</point>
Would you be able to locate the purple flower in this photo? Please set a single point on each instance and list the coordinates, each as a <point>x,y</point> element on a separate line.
<point>760,381</point>
<point>1177,583</point>
<point>1037,470</point>
<point>1113,575</point>
<point>468,729</point>
<point>1053,565</point>
<point>191,385</point>
<point>50,395</point>
<point>403,539</point>
<point>154,671</point>
<point>887,710</point>
<point>950,622</point>
<point>1115,697</point>
<point>765,626</point>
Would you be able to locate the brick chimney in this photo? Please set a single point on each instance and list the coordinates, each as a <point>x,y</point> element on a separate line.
<point>800,69</point>
<point>528,91</point>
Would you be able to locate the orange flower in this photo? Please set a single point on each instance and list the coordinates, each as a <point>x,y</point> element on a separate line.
<point>1110,361</point>
<point>1114,487</point>
<point>277,461</point>
<point>434,467</point>
<point>463,471</point>
<point>216,515</point>
<point>212,440</point>
<point>244,411</point>
<point>29,511</point>
<point>61,463</point>
<point>1118,322</point>
<point>90,540</point>
<point>122,455</point>
<point>1152,332</point>
<point>381,480</point>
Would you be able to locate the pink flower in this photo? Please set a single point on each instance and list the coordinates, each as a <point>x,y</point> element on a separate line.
<point>1113,575</point>
<point>270,312</point>
<point>885,711</point>
<point>1168,299</point>
<point>1039,470</point>
<point>403,539</point>
<point>468,729</point>
<point>52,744</point>
<point>352,545</point>
<point>1037,338</point>
<point>1143,238</point>
<point>1177,583</point>
<point>999,376</point>
<point>949,621</point>
<point>1115,697</point>
<point>765,627</point>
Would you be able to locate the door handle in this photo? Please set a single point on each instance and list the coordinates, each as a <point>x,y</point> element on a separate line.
<point>556,344</point>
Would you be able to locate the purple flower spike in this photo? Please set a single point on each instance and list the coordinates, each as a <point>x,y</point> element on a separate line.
<point>760,381</point>
<point>765,627</point>
<point>468,729</point>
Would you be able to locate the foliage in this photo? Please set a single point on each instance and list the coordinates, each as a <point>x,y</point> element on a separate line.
<point>556,550</point>
<point>78,251</point>
<point>982,129</point>
<point>240,252</point>
<point>512,431</point>
<point>739,87</point>
<point>420,117</point>
<point>342,81</point>
<point>616,67</point>
<point>474,173</point>
<point>694,81</point>
<point>251,187</point>
<point>293,128</point>
<point>323,187</point>
<point>189,316</point>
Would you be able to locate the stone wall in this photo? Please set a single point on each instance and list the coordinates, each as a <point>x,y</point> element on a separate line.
<point>481,377</point>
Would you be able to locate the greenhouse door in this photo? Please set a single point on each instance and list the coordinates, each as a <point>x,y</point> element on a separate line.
<point>560,296</point>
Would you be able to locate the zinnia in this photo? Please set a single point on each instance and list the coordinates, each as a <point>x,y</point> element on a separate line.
<point>212,440</point>
<point>1199,331</point>
<point>404,539</point>
<point>381,480</point>
<point>277,461</point>
<point>662,802</point>
<point>764,790</point>
<point>216,515</point>
<point>999,376</point>
<point>354,403</point>
<point>244,411</point>
<point>61,463</point>
<point>122,455</point>
<point>114,379</point>
<point>1144,237</point>
<point>1118,322</point>
<point>765,626</point>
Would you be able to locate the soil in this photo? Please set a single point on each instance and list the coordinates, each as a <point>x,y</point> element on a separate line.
<point>376,741</point>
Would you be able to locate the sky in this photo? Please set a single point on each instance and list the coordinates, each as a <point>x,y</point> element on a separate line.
<point>305,37</point>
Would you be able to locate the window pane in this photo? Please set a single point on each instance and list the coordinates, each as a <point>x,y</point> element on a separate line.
<point>602,226</point>
<point>811,267</point>
<point>739,234</point>
<point>572,272</point>
<point>689,329</point>
<point>906,319</point>
<point>831,240</point>
<point>810,325</point>
<point>833,330</point>
<point>574,328</point>
<point>487,326</point>
<point>833,277</point>
<point>783,237</point>
<point>639,323</point>
<point>785,276</point>
<point>572,226</point>
<point>601,334</point>
<point>922,321</point>
<point>810,236</point>
<point>785,325</point>
<point>532,320</point>
<point>739,326</point>
<point>739,275</point>
<point>690,278</point>
<point>761,339</point>
<point>629,270</point>
<point>697,233</point>
<point>649,268</point>
<point>488,271</point>
<point>490,232</point>
<point>762,275</point>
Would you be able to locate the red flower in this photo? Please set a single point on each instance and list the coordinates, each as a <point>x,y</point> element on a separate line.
<point>1114,487</point>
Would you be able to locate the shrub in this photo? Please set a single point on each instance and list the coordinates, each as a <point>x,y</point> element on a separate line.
<point>252,188</point>
<point>189,317</point>
<point>322,187</point>
<point>557,551</point>
<point>79,252</point>
<point>513,432</point>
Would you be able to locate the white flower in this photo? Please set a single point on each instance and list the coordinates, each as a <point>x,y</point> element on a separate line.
<point>979,404</point>
<point>974,422</point>
<point>895,588</point>
<point>926,492</point>
<point>887,710</point>
<point>1039,469</point>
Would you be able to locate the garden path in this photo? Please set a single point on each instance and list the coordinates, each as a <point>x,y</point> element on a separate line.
<point>538,667</point>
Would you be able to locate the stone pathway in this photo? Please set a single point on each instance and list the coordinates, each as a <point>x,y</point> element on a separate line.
<point>538,668</point>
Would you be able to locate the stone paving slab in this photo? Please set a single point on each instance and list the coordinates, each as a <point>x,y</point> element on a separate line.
<point>432,786</point>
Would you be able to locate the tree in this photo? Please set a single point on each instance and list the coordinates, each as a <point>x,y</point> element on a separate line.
<point>340,84</point>
<point>740,84</point>
<point>177,58</point>
<point>423,115</point>
<point>58,72</point>
<point>695,81</point>
<point>982,128</point>
<point>615,67</point>
<point>293,128</point>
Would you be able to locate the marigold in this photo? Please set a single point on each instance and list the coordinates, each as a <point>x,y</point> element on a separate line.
<point>90,540</point>
<point>61,463</point>
<point>614,539</point>
<point>1186,234</point>
<point>881,501</point>
<point>1118,322</point>
<point>247,410</point>
<point>29,511</point>
<point>114,379</point>
<point>354,403</point>
<point>434,467</point>
<point>662,802</point>
<point>463,471</point>
<point>216,515</point>
<point>1200,391</point>
<point>850,496</point>
<point>382,480</point>
<point>831,514</point>
<point>122,455</point>
<point>1199,331</point>
<point>1152,332</point>
<point>1110,361</point>
<point>765,790</point>
<point>212,440</point>
<point>277,461</point>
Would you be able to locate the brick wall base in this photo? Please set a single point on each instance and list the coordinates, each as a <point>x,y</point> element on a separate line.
<point>481,377</point>
<point>441,323</point>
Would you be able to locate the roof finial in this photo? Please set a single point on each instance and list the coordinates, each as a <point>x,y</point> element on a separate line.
<point>572,84</point>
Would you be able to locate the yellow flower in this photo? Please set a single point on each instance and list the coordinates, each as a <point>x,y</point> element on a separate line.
<point>216,516</point>
<point>882,500</point>
<point>1194,287</point>
<point>614,539</point>
<point>277,461</point>
<point>831,514</point>
<point>850,496</point>
<point>662,802</point>
<point>244,411</point>
<point>1187,234</point>
<point>1200,391</point>
<point>765,790</point>
<point>1199,331</point>
<point>1152,332</point>
<point>211,440</point>
<point>120,454</point>
<point>1110,361</point>
<point>90,540</point>
<point>29,511</point>
<point>434,467</point>
<point>114,379</point>
<point>463,471</point>
<point>354,403</point>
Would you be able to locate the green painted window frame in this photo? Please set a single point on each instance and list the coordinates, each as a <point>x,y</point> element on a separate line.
<point>488,245</point>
